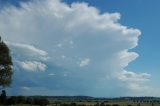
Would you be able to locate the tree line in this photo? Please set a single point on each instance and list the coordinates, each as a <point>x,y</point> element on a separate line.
<point>25,100</point>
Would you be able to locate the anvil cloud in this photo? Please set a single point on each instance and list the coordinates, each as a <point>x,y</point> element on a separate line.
<point>62,49</point>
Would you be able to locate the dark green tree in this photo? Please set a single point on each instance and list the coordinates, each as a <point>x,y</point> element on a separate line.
<point>5,65</point>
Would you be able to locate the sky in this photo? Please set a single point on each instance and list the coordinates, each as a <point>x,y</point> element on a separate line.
<point>105,48</point>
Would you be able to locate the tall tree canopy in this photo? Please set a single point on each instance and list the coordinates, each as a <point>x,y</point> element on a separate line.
<point>5,65</point>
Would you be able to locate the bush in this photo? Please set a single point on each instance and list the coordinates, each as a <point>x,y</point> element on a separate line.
<point>97,104</point>
<point>73,104</point>
<point>81,105</point>
<point>44,101</point>
<point>12,100</point>
<point>138,104</point>
<point>21,100</point>
<point>64,104</point>
<point>102,104</point>
<point>41,101</point>
<point>115,105</point>
<point>29,100</point>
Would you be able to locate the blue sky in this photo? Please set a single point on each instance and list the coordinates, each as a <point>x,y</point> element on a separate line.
<point>82,47</point>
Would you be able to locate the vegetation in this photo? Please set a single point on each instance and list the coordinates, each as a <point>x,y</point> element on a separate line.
<point>5,65</point>
<point>5,69</point>
<point>72,101</point>
<point>126,101</point>
<point>21,100</point>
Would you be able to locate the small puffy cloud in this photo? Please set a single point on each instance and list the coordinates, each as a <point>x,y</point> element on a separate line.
<point>134,81</point>
<point>126,57</point>
<point>28,57</point>
<point>25,88</point>
<point>65,75</point>
<point>27,51</point>
<point>51,74</point>
<point>84,62</point>
<point>136,87</point>
<point>131,76</point>
<point>32,65</point>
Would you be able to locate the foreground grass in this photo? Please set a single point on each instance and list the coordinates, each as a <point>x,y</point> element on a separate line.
<point>93,103</point>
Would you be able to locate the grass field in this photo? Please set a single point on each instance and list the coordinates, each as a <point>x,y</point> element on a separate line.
<point>81,101</point>
<point>110,103</point>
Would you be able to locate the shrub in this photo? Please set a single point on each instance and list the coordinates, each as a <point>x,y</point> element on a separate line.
<point>102,104</point>
<point>64,104</point>
<point>29,100</point>
<point>81,105</point>
<point>12,100</point>
<point>115,105</point>
<point>40,101</point>
<point>97,104</point>
<point>73,104</point>
<point>21,100</point>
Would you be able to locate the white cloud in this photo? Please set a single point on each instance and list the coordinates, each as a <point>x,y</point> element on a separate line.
<point>126,57</point>
<point>65,75</point>
<point>84,62</point>
<point>27,51</point>
<point>32,65</point>
<point>51,74</point>
<point>137,87</point>
<point>28,57</point>
<point>131,76</point>
<point>135,81</point>
<point>25,88</point>
<point>68,34</point>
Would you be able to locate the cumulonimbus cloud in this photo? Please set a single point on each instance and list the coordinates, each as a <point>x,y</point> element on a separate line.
<point>73,36</point>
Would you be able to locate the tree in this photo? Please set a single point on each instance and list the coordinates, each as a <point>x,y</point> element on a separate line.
<point>40,101</point>
<point>5,65</point>
<point>3,97</point>
<point>102,104</point>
